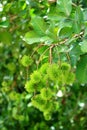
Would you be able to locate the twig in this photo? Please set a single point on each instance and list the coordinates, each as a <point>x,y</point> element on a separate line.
<point>68,57</point>
<point>13,17</point>
<point>73,4</point>
<point>50,54</point>
<point>13,28</point>
<point>76,36</point>
<point>43,54</point>
<point>27,68</point>
<point>40,45</point>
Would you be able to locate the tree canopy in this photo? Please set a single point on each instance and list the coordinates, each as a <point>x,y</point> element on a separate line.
<point>43,64</point>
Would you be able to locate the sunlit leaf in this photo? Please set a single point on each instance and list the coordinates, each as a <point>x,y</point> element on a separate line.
<point>38,25</point>
<point>78,20</point>
<point>31,37</point>
<point>65,6</point>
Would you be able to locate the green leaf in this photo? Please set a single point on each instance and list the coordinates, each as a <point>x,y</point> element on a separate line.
<point>75,53</point>
<point>85,14</point>
<point>65,6</point>
<point>78,20</point>
<point>65,32</point>
<point>55,15</point>
<point>31,37</point>
<point>39,25</point>
<point>42,49</point>
<point>81,71</point>
<point>84,46</point>
<point>4,24</point>
<point>26,60</point>
<point>52,31</point>
<point>46,39</point>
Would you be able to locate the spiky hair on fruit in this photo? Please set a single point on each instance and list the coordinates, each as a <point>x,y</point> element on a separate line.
<point>26,60</point>
<point>65,66</point>
<point>36,76</point>
<point>46,93</point>
<point>29,86</point>
<point>38,102</point>
<point>53,72</point>
<point>47,116</point>
<point>70,78</point>
<point>44,67</point>
<point>44,84</point>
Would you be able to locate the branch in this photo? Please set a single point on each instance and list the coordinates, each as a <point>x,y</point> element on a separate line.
<point>73,4</point>
<point>76,36</point>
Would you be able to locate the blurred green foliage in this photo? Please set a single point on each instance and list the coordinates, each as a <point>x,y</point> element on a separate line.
<point>43,64</point>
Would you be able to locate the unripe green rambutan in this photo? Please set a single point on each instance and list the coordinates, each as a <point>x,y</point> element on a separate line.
<point>65,69</point>
<point>70,78</point>
<point>35,103</point>
<point>55,106</point>
<point>46,93</point>
<point>54,89</point>
<point>36,77</point>
<point>53,72</point>
<point>45,83</point>
<point>45,78</point>
<point>40,85</point>
<point>47,116</point>
<point>65,66</point>
<point>38,102</point>
<point>26,61</point>
<point>29,86</point>
<point>43,69</point>
<point>48,106</point>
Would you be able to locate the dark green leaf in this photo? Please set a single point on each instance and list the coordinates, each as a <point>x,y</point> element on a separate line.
<point>4,24</point>
<point>81,71</point>
<point>84,46</point>
<point>65,32</point>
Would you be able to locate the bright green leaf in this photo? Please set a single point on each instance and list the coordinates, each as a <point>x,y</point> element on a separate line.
<point>31,37</point>
<point>65,6</point>
<point>26,60</point>
<point>78,20</point>
<point>39,25</point>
